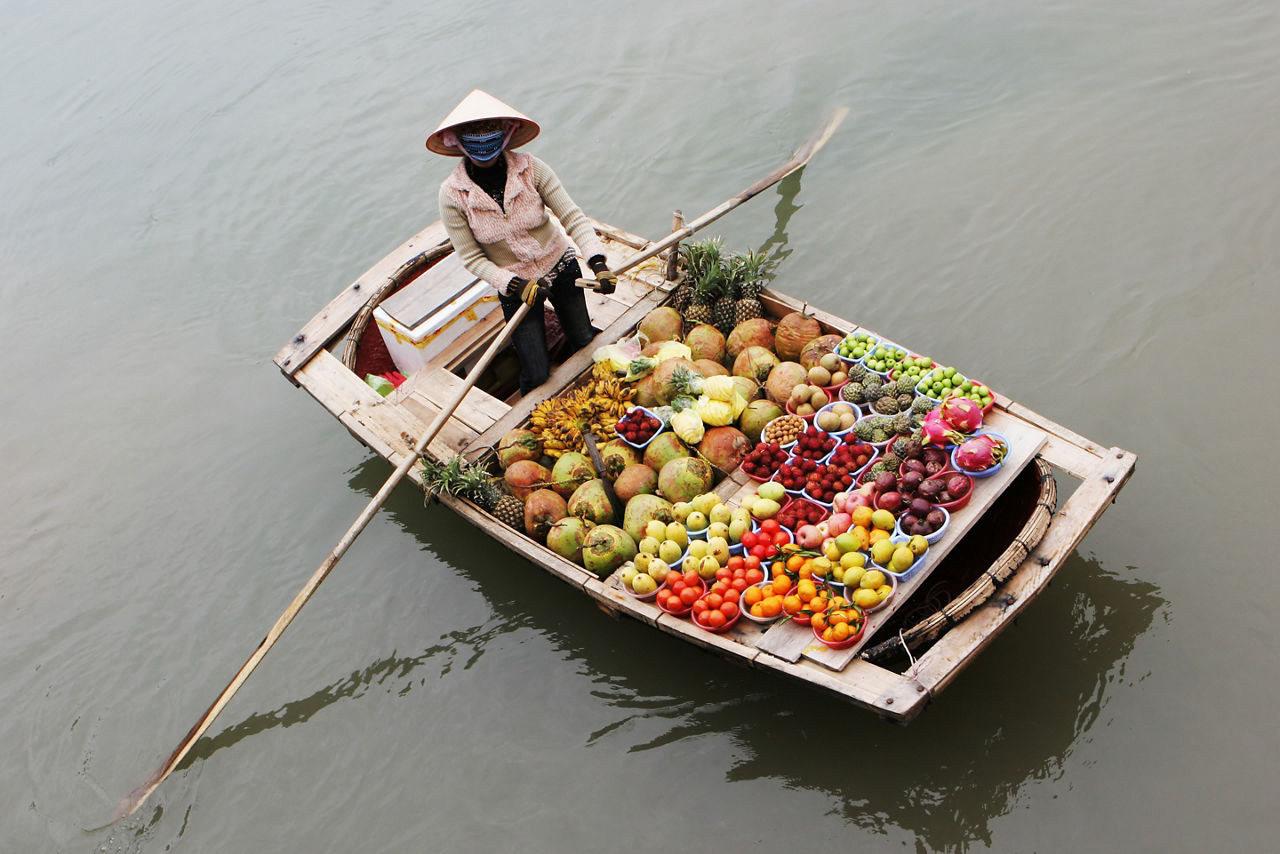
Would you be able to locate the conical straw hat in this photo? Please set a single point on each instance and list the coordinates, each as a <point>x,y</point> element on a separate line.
<point>476,106</point>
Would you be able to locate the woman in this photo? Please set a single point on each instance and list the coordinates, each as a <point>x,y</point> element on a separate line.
<point>495,205</point>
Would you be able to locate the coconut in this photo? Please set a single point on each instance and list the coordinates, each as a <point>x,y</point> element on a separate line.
<point>757,414</point>
<point>616,455</point>
<point>662,324</point>
<point>706,342</point>
<point>643,509</point>
<point>662,389</point>
<point>819,347</point>
<point>783,378</point>
<point>590,501</point>
<point>607,548</point>
<point>635,480</point>
<point>567,537</point>
<point>646,391</point>
<point>571,471</point>
<point>749,333</point>
<point>724,447</point>
<point>755,363</point>
<point>543,509</point>
<point>794,331</point>
<point>685,477</point>
<point>666,446</point>
<point>708,368</point>
<point>524,476</point>
<point>518,444</point>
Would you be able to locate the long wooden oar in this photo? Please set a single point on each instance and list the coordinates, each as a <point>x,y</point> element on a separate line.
<point>136,798</point>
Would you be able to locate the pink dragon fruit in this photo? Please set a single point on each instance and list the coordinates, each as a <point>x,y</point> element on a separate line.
<point>962,414</point>
<point>936,431</point>
<point>981,452</point>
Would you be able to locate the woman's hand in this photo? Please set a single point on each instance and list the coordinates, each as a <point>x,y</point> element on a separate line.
<point>608,281</point>
<point>528,291</point>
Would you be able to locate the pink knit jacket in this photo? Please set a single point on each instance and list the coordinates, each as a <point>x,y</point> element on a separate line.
<point>519,239</point>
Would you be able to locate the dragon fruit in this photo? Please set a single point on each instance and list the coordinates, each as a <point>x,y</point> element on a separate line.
<point>961,414</point>
<point>981,452</point>
<point>936,431</point>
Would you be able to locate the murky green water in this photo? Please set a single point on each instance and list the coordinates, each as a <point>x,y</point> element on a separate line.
<point>1075,201</point>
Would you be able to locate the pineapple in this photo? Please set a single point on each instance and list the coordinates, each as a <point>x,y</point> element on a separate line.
<point>510,512</point>
<point>725,307</point>
<point>747,309</point>
<point>753,269</point>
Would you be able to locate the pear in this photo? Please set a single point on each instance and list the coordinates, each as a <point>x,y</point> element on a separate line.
<point>642,561</point>
<point>643,584</point>
<point>698,548</point>
<point>708,566</point>
<point>918,544</point>
<point>766,508</point>
<point>901,559</point>
<point>705,502</point>
<point>718,548</point>
<point>657,529</point>
<point>720,513</point>
<point>649,545</point>
<point>718,529</point>
<point>771,490</point>
<point>669,551</point>
<point>628,573</point>
<point>681,510</point>
<point>696,521</point>
<point>737,528</point>
<point>679,534</point>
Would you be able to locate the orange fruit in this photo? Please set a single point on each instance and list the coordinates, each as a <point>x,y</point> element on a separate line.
<point>752,595</point>
<point>791,604</point>
<point>772,606</point>
<point>795,562</point>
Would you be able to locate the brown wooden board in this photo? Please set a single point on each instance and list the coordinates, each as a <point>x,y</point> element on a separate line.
<point>791,641</point>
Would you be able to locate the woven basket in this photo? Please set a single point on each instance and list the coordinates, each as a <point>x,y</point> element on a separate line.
<point>987,583</point>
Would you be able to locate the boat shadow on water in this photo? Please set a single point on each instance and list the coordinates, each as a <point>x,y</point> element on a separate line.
<point>1013,720</point>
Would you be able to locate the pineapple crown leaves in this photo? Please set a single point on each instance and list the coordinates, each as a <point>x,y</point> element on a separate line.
<point>459,478</point>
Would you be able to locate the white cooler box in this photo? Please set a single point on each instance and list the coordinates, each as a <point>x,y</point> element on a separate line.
<point>416,326</point>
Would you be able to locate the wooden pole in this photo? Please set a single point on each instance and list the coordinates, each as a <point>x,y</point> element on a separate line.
<point>136,798</point>
<point>673,260</point>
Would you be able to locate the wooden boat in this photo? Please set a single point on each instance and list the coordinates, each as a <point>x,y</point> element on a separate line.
<point>1011,539</point>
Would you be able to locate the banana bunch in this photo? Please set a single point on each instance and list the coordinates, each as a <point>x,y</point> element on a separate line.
<point>595,406</point>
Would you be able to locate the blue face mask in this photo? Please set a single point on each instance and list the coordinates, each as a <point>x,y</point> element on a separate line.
<point>483,147</point>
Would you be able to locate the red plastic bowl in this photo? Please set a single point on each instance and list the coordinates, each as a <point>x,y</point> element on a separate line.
<point>719,629</point>
<point>847,642</point>
<point>953,506</point>
<point>683,611</point>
